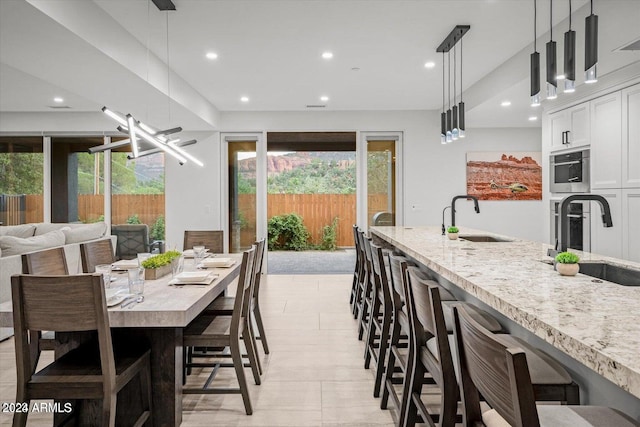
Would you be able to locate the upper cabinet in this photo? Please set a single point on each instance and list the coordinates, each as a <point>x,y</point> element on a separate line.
<point>606,141</point>
<point>570,127</point>
<point>631,137</point>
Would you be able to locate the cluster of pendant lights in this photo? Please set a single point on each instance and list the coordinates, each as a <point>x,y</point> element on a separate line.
<point>452,124</point>
<point>590,57</point>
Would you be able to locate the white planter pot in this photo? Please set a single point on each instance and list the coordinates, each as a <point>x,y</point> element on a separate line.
<point>567,269</point>
<point>452,236</point>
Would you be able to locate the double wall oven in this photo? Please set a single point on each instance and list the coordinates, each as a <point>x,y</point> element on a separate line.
<point>569,174</point>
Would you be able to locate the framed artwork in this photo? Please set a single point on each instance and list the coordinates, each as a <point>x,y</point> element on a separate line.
<point>505,175</point>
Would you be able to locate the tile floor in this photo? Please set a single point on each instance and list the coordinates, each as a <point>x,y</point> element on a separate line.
<point>313,375</point>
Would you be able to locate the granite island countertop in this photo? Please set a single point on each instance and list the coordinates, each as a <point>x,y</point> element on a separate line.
<point>597,324</point>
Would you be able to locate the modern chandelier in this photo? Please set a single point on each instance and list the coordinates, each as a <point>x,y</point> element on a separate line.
<point>452,125</point>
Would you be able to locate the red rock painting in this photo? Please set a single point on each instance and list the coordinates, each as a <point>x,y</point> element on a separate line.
<point>504,176</point>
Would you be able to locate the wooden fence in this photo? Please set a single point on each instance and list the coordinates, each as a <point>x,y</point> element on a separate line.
<point>317,210</point>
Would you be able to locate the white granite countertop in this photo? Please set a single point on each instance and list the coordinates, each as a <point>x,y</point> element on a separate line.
<point>597,324</point>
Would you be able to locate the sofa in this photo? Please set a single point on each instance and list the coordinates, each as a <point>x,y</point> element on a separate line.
<point>16,240</point>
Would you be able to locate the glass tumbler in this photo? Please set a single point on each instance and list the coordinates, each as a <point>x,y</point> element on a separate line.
<point>177,265</point>
<point>198,255</point>
<point>105,270</point>
<point>136,281</point>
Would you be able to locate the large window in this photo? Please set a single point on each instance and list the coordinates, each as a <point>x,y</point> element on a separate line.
<point>21,180</point>
<point>242,194</point>
<point>381,185</point>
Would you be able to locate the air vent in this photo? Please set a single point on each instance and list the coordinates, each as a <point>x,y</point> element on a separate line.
<point>633,46</point>
<point>316,106</point>
<point>59,107</point>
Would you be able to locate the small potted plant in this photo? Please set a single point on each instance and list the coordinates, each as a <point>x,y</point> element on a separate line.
<point>567,264</point>
<point>159,265</point>
<point>452,232</point>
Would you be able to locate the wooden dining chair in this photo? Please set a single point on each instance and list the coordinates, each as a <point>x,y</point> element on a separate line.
<point>500,373</point>
<point>69,304</point>
<point>96,253</point>
<point>210,239</point>
<point>210,330</point>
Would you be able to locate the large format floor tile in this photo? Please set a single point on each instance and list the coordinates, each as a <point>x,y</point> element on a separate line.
<point>314,375</point>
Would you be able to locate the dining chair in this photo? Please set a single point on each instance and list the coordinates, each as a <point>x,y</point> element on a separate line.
<point>91,371</point>
<point>500,372</point>
<point>134,239</point>
<point>46,262</point>
<point>210,239</point>
<point>209,330</point>
<point>96,253</point>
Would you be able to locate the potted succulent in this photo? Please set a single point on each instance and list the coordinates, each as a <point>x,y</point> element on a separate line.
<point>452,232</point>
<point>567,264</point>
<point>159,265</point>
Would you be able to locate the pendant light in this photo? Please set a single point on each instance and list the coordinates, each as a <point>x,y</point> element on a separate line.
<point>570,58</point>
<point>535,63</point>
<point>591,48</point>
<point>461,104</point>
<point>454,110</point>
<point>449,136</point>
<point>443,115</point>
<point>552,81</point>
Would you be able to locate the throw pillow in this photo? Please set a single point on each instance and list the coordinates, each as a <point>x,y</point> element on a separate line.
<point>24,230</point>
<point>11,245</point>
<point>84,232</point>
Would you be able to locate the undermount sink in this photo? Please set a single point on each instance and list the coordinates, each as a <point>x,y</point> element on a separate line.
<point>611,273</point>
<point>483,239</point>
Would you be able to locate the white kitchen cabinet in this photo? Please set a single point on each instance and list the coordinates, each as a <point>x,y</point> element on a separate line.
<point>570,127</point>
<point>631,137</point>
<point>606,141</point>
<point>607,241</point>
<point>631,224</point>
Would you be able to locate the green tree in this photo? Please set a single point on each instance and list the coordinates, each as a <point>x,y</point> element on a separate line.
<point>21,173</point>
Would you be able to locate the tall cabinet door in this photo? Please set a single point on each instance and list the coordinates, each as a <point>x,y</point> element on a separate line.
<point>606,141</point>
<point>607,241</point>
<point>631,225</point>
<point>631,137</point>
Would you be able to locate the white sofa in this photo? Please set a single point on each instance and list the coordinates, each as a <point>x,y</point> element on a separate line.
<point>19,239</point>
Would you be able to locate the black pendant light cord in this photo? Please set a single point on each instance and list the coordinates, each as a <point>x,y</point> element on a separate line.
<point>443,82</point>
<point>449,73</point>
<point>455,71</point>
<point>550,20</point>
<point>460,70</point>
<point>535,29</point>
<point>569,15</point>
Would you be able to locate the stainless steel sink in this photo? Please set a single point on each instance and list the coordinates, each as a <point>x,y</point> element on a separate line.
<point>611,273</point>
<point>483,238</point>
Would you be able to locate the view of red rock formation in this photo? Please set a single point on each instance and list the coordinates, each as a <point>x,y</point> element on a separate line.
<point>510,178</point>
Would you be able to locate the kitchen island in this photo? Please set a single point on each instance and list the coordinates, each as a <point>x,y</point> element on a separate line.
<point>582,321</point>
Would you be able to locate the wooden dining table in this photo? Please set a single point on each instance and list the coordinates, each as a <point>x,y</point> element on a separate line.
<point>160,320</point>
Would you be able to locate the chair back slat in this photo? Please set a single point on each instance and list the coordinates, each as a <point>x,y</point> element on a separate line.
<point>243,292</point>
<point>260,245</point>
<point>132,240</point>
<point>210,239</point>
<point>422,300</point>
<point>397,287</point>
<point>96,253</point>
<point>484,368</point>
<point>46,262</point>
<point>377,257</point>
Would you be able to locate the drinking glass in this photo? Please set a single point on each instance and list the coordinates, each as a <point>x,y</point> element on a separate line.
<point>105,270</point>
<point>136,280</point>
<point>143,256</point>
<point>198,255</point>
<point>177,265</point>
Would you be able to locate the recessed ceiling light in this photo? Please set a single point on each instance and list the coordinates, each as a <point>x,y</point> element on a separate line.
<point>324,98</point>
<point>355,69</point>
<point>327,55</point>
<point>560,77</point>
<point>58,100</point>
<point>533,118</point>
<point>429,64</point>
<point>211,55</point>
<point>505,103</point>
<point>244,99</point>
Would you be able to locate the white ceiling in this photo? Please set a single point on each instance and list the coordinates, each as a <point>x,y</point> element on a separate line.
<point>115,52</point>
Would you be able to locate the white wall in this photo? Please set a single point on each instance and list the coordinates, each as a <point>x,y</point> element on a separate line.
<point>433,173</point>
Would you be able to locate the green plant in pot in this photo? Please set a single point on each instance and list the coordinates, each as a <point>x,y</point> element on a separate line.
<point>452,232</point>
<point>567,264</point>
<point>159,265</point>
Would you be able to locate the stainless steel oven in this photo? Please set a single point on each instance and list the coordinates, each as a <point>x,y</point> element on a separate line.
<point>569,172</point>
<point>579,223</point>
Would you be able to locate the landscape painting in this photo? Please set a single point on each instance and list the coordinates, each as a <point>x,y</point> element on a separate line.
<point>504,175</point>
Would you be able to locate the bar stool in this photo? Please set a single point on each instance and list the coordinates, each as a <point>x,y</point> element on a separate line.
<point>357,273</point>
<point>365,300</point>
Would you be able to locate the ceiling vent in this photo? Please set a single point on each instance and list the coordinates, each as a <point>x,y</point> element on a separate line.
<point>164,4</point>
<point>633,46</point>
<point>316,106</point>
<point>59,107</point>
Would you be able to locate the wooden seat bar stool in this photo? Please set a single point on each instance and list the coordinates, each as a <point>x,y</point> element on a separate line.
<point>91,371</point>
<point>357,273</point>
<point>362,276</point>
<point>366,294</point>
<point>227,331</point>
<point>500,374</point>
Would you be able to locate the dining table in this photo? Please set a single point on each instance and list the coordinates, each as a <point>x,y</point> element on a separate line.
<point>159,319</point>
